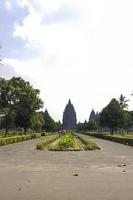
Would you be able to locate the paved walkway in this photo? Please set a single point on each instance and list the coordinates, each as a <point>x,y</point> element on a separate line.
<point>28,174</point>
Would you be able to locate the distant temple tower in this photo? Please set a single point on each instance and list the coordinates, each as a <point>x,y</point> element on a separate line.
<point>69,117</point>
<point>92,116</point>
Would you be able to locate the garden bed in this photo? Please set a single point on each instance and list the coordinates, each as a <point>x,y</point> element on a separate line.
<point>67,142</point>
<point>120,138</point>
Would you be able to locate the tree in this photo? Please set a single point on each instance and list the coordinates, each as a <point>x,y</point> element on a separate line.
<point>80,126</point>
<point>20,97</point>
<point>123,102</point>
<point>112,116</point>
<point>83,126</point>
<point>58,125</point>
<point>8,121</point>
<point>92,125</point>
<point>127,120</point>
<point>50,124</point>
<point>6,105</point>
<point>37,121</point>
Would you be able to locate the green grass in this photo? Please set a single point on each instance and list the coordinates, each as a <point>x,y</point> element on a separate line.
<point>126,139</point>
<point>128,136</point>
<point>67,140</point>
<point>66,143</point>
<point>49,139</point>
<point>88,144</point>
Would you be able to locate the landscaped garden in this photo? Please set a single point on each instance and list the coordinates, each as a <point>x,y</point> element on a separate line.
<point>66,142</point>
<point>123,138</point>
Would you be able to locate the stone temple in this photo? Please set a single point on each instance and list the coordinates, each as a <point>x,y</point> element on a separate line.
<point>69,117</point>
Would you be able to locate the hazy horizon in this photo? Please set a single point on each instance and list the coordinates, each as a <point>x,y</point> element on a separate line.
<point>77,49</point>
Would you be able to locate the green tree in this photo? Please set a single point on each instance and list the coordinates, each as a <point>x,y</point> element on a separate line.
<point>112,116</point>
<point>58,125</point>
<point>50,124</point>
<point>123,102</point>
<point>19,97</point>
<point>92,125</point>
<point>8,121</point>
<point>83,126</point>
<point>127,120</point>
<point>37,121</point>
<point>80,126</point>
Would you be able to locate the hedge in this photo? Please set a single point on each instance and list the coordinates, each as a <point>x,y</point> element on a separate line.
<point>18,138</point>
<point>49,139</point>
<point>88,144</point>
<point>115,138</point>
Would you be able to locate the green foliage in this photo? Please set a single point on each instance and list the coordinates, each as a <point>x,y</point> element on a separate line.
<point>86,126</point>
<point>9,119</point>
<point>35,135</point>
<point>112,116</point>
<point>58,126</point>
<point>92,125</point>
<point>127,120</point>
<point>42,145</point>
<point>67,140</point>
<point>120,138</point>
<point>88,144</point>
<point>37,121</point>
<point>18,102</point>
<point>50,124</point>
<point>123,102</point>
<point>18,138</point>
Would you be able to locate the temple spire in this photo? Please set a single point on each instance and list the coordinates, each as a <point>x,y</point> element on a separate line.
<point>69,102</point>
<point>69,117</point>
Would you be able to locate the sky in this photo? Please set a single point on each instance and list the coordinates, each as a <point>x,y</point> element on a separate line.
<point>77,49</point>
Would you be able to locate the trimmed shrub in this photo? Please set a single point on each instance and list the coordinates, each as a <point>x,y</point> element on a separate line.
<point>114,138</point>
<point>88,144</point>
<point>49,139</point>
<point>18,138</point>
<point>66,141</point>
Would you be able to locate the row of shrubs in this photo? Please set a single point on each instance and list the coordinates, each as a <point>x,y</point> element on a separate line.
<point>114,138</point>
<point>88,144</point>
<point>49,139</point>
<point>18,138</point>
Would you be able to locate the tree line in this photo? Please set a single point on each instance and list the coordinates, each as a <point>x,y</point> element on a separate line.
<point>19,107</point>
<point>114,117</point>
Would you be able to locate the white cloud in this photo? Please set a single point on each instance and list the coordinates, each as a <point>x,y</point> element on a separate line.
<point>8,5</point>
<point>88,59</point>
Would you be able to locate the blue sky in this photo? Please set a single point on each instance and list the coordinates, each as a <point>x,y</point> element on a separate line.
<point>74,49</point>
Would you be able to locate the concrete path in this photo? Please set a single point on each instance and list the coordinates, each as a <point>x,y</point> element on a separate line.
<point>28,174</point>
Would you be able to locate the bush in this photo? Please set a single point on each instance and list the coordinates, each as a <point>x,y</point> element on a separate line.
<point>43,134</point>
<point>66,141</point>
<point>35,135</point>
<point>44,143</point>
<point>88,144</point>
<point>114,138</point>
<point>18,138</point>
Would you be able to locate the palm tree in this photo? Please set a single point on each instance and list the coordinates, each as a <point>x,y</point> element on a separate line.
<point>123,102</point>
